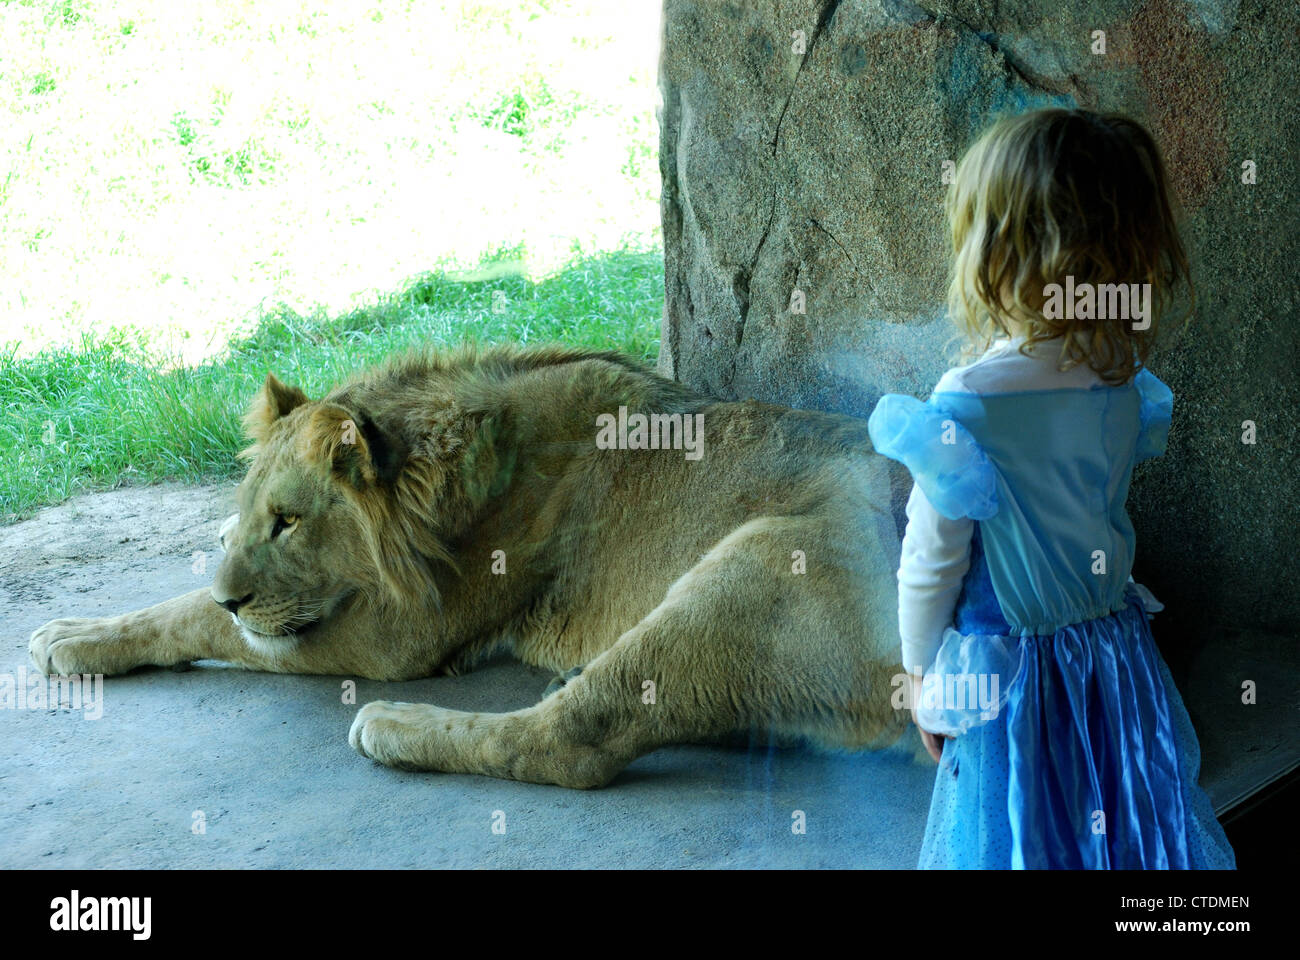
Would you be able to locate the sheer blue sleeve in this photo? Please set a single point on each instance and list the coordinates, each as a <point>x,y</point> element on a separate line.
<point>1156,411</point>
<point>947,464</point>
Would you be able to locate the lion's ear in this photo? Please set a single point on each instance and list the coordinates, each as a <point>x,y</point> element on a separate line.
<point>272,402</point>
<point>353,445</point>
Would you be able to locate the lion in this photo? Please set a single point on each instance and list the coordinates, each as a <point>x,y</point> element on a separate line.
<point>447,505</point>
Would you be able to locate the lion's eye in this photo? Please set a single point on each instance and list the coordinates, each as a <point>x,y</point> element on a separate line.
<point>283,522</point>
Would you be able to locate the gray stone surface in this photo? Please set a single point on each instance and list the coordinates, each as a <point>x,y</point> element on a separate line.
<point>821,171</point>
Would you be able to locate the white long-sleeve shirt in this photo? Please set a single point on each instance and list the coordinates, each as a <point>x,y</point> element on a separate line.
<point>936,551</point>
<point>935,559</point>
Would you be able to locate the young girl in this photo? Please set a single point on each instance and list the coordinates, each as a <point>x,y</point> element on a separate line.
<point>1061,739</point>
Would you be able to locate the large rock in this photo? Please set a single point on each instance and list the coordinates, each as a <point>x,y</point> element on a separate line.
<point>821,171</point>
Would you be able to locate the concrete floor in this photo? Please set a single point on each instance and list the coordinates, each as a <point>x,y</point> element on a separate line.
<point>266,760</point>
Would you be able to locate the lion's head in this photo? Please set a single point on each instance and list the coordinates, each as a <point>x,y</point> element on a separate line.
<point>327,517</point>
<point>354,498</point>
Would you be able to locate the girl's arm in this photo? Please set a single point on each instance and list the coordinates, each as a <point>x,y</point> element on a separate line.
<point>935,558</point>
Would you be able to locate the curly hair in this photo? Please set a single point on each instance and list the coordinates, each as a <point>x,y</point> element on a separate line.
<point>1054,193</point>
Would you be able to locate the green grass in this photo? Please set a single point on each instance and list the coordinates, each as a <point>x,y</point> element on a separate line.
<point>110,410</point>
<point>178,166</point>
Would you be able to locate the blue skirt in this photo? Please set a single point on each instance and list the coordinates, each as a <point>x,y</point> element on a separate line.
<point>1087,759</point>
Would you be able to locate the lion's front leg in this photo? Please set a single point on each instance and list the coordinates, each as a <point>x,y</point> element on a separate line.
<point>353,642</point>
<point>642,693</point>
<point>185,628</point>
<point>531,745</point>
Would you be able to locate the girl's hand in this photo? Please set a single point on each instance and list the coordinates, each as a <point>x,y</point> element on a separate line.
<point>933,741</point>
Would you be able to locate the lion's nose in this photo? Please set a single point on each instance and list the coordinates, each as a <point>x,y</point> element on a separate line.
<point>233,605</point>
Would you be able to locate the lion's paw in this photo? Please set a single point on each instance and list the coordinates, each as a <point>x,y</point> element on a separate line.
<point>79,645</point>
<point>394,734</point>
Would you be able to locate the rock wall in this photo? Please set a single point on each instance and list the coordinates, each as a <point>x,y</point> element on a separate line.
<point>802,147</point>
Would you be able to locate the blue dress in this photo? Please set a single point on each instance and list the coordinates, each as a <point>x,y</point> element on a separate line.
<point>1072,748</point>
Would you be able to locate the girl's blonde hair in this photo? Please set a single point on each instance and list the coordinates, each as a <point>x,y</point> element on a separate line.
<point>1051,193</point>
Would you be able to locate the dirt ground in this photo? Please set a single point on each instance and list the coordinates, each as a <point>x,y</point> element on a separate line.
<point>223,767</point>
<point>79,546</point>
